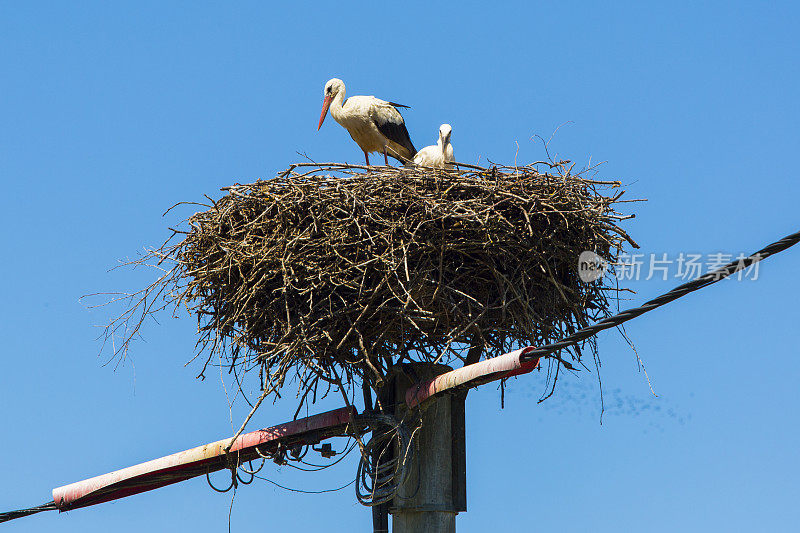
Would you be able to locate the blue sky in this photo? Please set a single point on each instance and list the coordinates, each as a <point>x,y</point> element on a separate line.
<point>113,112</point>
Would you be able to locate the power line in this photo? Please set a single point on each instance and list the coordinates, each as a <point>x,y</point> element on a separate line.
<point>11,515</point>
<point>681,290</point>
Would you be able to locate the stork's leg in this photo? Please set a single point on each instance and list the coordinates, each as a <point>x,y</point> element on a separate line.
<point>366,156</point>
<point>385,157</point>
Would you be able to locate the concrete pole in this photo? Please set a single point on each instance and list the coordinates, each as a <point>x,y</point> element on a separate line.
<point>428,501</point>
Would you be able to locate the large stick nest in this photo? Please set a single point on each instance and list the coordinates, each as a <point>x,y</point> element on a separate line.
<point>336,272</point>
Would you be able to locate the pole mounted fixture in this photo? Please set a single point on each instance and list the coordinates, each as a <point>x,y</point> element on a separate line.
<point>203,459</point>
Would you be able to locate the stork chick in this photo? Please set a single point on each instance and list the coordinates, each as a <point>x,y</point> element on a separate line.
<point>439,154</point>
<point>374,124</point>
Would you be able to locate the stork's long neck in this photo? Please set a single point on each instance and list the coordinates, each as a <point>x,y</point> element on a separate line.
<point>337,112</point>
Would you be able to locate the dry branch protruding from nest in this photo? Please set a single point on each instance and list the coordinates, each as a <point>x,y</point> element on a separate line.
<point>335,272</point>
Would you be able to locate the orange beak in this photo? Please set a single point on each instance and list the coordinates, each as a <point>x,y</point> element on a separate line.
<point>326,103</point>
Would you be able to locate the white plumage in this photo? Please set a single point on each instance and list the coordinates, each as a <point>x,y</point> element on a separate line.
<point>439,154</point>
<point>374,124</point>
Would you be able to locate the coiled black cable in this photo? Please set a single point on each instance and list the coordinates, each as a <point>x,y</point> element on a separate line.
<point>385,461</point>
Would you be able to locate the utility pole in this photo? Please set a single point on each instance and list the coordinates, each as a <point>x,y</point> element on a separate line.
<point>435,490</point>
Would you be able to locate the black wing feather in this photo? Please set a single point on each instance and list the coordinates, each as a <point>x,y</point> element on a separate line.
<point>397,132</point>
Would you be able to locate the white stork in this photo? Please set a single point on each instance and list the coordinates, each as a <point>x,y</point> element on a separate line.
<point>374,124</point>
<point>439,154</point>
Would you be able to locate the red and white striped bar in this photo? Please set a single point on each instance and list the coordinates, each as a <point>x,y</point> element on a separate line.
<point>199,461</point>
<point>503,366</point>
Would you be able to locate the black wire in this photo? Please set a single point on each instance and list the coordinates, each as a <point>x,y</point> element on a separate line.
<point>306,491</point>
<point>252,470</point>
<point>233,482</point>
<point>12,515</point>
<point>679,291</point>
<point>243,482</point>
